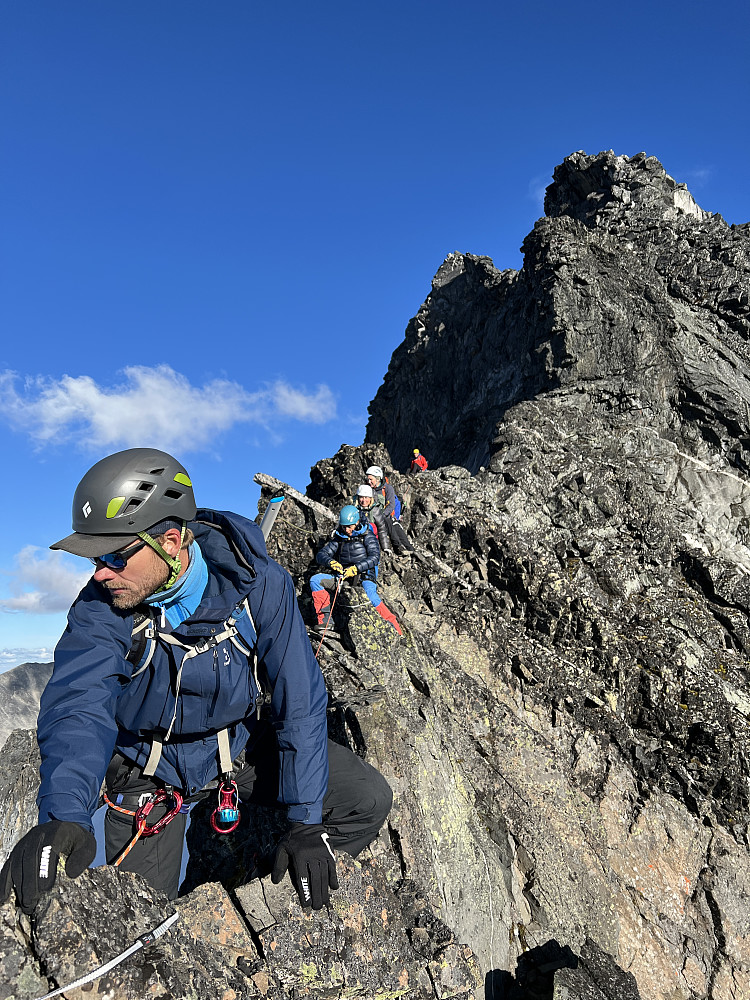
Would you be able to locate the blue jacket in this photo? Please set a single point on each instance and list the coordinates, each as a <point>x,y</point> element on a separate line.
<point>361,550</point>
<point>90,707</point>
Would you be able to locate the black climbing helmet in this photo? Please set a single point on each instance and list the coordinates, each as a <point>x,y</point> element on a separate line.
<point>124,495</point>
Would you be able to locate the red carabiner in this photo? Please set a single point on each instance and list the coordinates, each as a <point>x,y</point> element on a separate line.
<point>227,812</point>
<point>161,796</point>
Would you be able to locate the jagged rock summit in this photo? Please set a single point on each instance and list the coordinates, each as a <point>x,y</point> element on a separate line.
<point>629,292</point>
<point>586,186</point>
<point>566,725</point>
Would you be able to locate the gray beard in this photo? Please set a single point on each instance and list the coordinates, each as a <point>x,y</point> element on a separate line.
<point>135,594</point>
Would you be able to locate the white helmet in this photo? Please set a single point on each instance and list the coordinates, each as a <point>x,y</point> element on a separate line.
<point>364,491</point>
<point>376,471</point>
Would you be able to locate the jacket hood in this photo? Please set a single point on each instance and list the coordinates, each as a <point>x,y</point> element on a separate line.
<point>234,546</point>
<point>235,553</point>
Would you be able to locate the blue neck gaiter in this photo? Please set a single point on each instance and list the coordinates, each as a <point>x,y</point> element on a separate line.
<point>181,600</point>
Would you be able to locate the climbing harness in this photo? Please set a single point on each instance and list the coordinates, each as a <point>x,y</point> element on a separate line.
<point>239,629</point>
<point>141,814</point>
<point>339,581</point>
<point>143,941</point>
<point>226,816</point>
<point>146,634</point>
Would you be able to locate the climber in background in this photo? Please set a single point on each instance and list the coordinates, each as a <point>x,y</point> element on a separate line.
<point>418,463</point>
<point>352,554</point>
<point>385,495</point>
<point>364,501</point>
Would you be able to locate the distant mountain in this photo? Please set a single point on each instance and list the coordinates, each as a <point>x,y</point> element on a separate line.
<point>20,691</point>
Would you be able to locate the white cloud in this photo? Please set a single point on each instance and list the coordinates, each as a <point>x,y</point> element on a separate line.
<point>538,188</point>
<point>10,658</point>
<point>696,177</point>
<point>315,409</point>
<point>152,405</point>
<point>44,582</point>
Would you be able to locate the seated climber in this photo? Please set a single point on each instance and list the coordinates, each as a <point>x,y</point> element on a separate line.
<point>186,629</point>
<point>385,494</point>
<point>369,510</point>
<point>352,554</point>
<point>418,463</point>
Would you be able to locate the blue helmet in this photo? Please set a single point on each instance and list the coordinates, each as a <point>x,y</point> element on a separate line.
<point>349,515</point>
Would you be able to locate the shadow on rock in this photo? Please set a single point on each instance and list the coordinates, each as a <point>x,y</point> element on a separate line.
<point>552,972</point>
<point>237,857</point>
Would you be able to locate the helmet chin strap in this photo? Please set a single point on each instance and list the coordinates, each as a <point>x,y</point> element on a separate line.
<point>174,563</point>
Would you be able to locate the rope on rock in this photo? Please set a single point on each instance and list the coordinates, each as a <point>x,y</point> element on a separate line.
<point>145,939</point>
<point>330,615</point>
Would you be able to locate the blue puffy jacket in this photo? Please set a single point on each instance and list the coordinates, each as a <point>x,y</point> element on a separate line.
<point>361,549</point>
<point>91,707</point>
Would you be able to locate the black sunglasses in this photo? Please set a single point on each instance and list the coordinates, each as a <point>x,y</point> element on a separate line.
<point>117,560</point>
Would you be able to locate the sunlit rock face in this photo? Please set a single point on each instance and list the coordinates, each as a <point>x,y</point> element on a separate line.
<point>565,722</point>
<point>628,292</point>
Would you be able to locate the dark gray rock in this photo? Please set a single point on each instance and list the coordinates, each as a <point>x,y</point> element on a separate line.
<point>628,291</point>
<point>19,782</point>
<point>83,924</point>
<point>378,938</point>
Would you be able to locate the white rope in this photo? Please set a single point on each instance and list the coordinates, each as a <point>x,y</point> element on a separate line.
<point>145,939</point>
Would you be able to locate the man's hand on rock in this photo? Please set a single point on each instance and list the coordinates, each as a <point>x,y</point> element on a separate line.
<point>32,866</point>
<point>305,851</point>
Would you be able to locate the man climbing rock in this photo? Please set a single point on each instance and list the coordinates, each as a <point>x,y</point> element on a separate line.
<point>352,554</point>
<point>163,718</point>
<point>418,462</point>
<point>384,493</point>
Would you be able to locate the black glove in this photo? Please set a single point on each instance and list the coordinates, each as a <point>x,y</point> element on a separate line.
<point>32,865</point>
<point>306,852</point>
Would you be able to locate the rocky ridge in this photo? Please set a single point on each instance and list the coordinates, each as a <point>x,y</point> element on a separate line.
<point>628,291</point>
<point>565,725</point>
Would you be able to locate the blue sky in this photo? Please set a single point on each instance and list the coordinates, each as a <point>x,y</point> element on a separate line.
<point>217,219</point>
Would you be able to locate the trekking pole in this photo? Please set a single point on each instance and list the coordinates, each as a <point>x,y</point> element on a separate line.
<point>339,581</point>
<point>273,508</point>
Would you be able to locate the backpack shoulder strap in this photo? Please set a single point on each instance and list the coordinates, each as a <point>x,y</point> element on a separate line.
<point>142,642</point>
<point>246,639</point>
<point>239,628</point>
<point>242,620</point>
